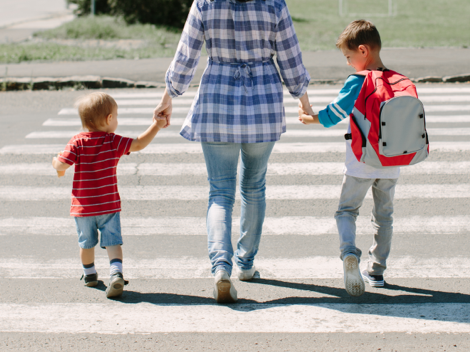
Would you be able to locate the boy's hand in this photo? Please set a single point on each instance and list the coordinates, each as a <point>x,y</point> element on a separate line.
<point>308,119</point>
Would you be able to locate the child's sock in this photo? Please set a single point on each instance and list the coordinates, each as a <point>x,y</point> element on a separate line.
<point>89,269</point>
<point>115,266</point>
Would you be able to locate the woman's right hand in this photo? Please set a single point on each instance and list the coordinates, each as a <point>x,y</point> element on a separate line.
<point>164,109</point>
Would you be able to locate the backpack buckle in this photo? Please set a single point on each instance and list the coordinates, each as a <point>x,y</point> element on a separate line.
<point>348,136</point>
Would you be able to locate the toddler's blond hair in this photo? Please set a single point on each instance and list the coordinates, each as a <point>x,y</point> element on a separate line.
<point>93,109</point>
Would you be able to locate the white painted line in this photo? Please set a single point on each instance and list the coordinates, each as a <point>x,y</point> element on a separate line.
<point>288,109</point>
<point>45,169</point>
<point>444,98</point>
<point>178,121</point>
<point>123,121</point>
<point>181,317</point>
<point>152,102</point>
<point>189,101</point>
<point>195,148</point>
<point>319,267</point>
<point>448,119</point>
<point>274,169</point>
<point>313,99</point>
<point>69,134</point>
<point>443,90</point>
<point>273,192</point>
<point>143,95</point>
<point>434,108</point>
<point>279,226</point>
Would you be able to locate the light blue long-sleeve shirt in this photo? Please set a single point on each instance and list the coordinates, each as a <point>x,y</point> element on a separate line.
<point>343,105</point>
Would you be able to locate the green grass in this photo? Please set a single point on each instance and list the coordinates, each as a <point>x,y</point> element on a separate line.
<point>418,23</point>
<point>109,28</point>
<point>159,42</point>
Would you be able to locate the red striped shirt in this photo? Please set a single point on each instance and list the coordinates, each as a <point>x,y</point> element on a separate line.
<point>95,155</point>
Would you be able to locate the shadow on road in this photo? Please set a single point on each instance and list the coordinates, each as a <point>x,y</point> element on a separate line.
<point>417,303</point>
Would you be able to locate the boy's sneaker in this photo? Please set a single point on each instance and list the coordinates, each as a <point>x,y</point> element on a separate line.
<point>90,280</point>
<point>224,292</point>
<point>247,275</point>
<point>373,280</point>
<point>116,285</point>
<point>353,281</point>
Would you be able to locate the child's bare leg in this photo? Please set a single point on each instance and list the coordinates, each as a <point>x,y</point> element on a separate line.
<point>87,255</point>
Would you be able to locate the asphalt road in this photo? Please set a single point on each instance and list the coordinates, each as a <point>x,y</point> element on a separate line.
<point>298,303</point>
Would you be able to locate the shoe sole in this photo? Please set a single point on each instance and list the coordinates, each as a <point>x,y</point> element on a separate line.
<point>115,288</point>
<point>223,292</point>
<point>374,283</point>
<point>245,276</point>
<point>353,280</point>
<point>91,284</point>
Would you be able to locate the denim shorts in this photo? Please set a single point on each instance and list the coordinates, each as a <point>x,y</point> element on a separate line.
<point>109,226</point>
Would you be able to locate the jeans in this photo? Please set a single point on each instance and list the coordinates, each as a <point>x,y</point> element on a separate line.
<point>221,162</point>
<point>109,225</point>
<point>353,193</point>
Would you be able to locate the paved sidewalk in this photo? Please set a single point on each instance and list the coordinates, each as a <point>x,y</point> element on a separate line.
<point>322,65</point>
<point>21,18</point>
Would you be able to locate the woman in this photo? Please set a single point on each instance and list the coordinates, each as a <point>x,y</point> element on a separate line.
<point>238,108</point>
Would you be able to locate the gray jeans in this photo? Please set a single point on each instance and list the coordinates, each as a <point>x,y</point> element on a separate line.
<point>353,193</point>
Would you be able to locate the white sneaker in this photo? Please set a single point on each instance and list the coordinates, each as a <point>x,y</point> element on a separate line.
<point>246,275</point>
<point>353,281</point>
<point>224,292</point>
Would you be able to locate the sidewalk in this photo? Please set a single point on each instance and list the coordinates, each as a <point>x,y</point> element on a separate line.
<point>21,18</point>
<point>323,66</point>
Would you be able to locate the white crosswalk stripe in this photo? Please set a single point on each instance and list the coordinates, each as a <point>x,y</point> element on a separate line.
<point>195,148</point>
<point>319,267</point>
<point>442,179</point>
<point>432,132</point>
<point>196,226</point>
<point>274,192</point>
<point>285,169</point>
<point>94,318</point>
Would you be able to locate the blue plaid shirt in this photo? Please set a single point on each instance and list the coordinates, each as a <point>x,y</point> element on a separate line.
<point>240,97</point>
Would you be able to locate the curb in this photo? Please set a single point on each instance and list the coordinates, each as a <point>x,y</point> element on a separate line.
<point>97,82</point>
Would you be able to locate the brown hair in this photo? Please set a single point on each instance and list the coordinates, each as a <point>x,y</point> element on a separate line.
<point>93,109</point>
<point>360,32</point>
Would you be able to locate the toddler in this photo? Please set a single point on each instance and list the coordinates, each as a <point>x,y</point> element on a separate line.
<point>96,204</point>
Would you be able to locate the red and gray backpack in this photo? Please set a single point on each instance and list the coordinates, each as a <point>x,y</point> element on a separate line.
<point>388,126</point>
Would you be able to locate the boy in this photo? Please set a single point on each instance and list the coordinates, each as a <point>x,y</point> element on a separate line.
<point>360,43</point>
<point>96,204</point>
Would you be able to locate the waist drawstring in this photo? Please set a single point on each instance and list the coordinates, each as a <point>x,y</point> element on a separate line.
<point>243,73</point>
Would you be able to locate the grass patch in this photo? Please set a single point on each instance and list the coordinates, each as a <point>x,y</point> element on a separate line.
<point>417,23</point>
<point>10,53</point>
<point>47,45</point>
<point>110,28</point>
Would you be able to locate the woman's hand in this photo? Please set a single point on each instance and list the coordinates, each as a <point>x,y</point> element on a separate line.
<point>164,109</point>
<point>304,104</point>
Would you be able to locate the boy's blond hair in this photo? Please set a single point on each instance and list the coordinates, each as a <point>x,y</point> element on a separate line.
<point>93,109</point>
<point>360,32</point>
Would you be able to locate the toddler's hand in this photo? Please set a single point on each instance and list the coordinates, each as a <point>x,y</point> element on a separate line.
<point>55,161</point>
<point>161,123</point>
